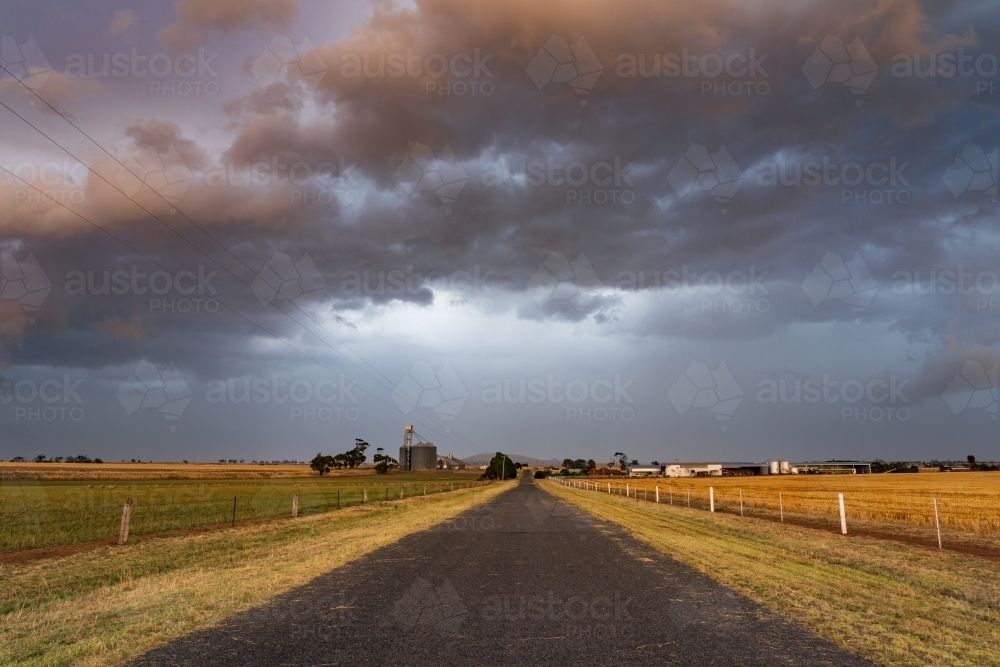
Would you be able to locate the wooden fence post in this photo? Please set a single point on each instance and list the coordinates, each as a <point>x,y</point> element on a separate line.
<point>657,493</point>
<point>295,506</point>
<point>338,498</point>
<point>741,502</point>
<point>711,499</point>
<point>366,495</point>
<point>126,520</point>
<point>234,510</point>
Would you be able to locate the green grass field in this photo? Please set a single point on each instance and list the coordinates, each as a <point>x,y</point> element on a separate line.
<point>38,513</point>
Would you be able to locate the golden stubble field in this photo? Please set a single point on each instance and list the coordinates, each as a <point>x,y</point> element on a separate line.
<point>968,502</point>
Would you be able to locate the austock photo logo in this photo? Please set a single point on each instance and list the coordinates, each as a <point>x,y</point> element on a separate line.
<point>457,74</point>
<point>982,68</point>
<point>423,170</point>
<point>603,399</point>
<point>860,401</point>
<point>24,282</point>
<point>282,278</point>
<point>877,182</point>
<point>440,391</point>
<point>982,285</point>
<point>974,387</point>
<point>736,292</point>
<point>715,173</point>
<point>433,607</point>
<point>835,62</point>
<point>974,170</point>
<point>324,400</point>
<point>160,388</point>
<point>47,400</point>
<point>183,292</point>
<point>562,282</point>
<point>183,75</point>
<point>24,62</point>
<point>700,387</point>
<point>834,279</point>
<point>61,181</point>
<point>744,73</point>
<point>559,62</point>
<point>602,182</point>
<point>284,61</point>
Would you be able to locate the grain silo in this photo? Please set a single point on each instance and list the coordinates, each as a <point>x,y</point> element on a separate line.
<point>416,456</point>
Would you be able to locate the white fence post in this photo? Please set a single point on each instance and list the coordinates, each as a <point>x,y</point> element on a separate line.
<point>366,494</point>
<point>657,493</point>
<point>781,508</point>
<point>626,491</point>
<point>741,502</point>
<point>843,516</point>
<point>670,490</point>
<point>295,506</point>
<point>711,499</point>
<point>937,522</point>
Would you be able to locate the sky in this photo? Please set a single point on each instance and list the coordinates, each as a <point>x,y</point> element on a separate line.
<point>724,230</point>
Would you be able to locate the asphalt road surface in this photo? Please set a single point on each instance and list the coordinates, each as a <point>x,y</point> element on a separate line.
<point>521,580</point>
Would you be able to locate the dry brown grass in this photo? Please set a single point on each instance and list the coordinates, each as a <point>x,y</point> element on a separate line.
<point>151,471</point>
<point>896,604</point>
<point>968,502</point>
<point>107,606</point>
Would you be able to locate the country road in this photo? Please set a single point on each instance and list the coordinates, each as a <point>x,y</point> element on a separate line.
<point>521,580</point>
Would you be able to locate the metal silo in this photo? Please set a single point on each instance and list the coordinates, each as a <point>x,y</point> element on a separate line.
<point>786,468</point>
<point>772,468</point>
<point>423,456</point>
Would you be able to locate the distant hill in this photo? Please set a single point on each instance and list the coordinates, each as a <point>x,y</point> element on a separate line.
<point>483,459</point>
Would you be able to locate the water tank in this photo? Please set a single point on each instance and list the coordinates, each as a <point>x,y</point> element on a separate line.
<point>786,468</point>
<point>772,468</point>
<point>423,456</point>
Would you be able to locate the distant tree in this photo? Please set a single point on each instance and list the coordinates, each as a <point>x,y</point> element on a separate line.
<point>590,464</point>
<point>500,467</point>
<point>635,462</point>
<point>100,461</point>
<point>655,463</point>
<point>321,464</point>
<point>340,461</point>
<point>622,460</point>
<point>17,459</point>
<point>383,462</point>
<point>356,456</point>
<point>972,462</point>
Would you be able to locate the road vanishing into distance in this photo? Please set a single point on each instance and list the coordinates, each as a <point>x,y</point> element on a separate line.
<point>521,580</point>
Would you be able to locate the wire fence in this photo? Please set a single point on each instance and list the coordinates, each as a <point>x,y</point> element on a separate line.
<point>966,516</point>
<point>45,516</point>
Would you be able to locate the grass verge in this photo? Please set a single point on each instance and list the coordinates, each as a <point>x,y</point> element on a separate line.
<point>895,604</point>
<point>107,606</point>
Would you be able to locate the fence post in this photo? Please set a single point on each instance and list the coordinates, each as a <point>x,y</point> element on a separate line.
<point>295,506</point>
<point>366,495</point>
<point>781,508</point>
<point>126,520</point>
<point>670,490</point>
<point>609,487</point>
<point>843,516</point>
<point>937,522</point>
<point>657,493</point>
<point>741,502</point>
<point>402,490</point>
<point>626,491</point>
<point>689,498</point>
<point>711,499</point>
<point>234,510</point>
<point>338,498</point>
